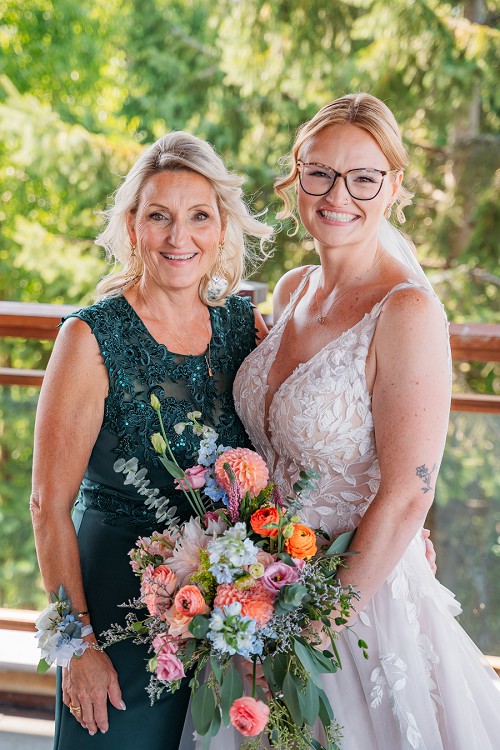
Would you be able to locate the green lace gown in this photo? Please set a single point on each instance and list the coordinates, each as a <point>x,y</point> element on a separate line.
<point>109,516</point>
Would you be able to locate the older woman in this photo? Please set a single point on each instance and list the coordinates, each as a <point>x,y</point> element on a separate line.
<point>168,325</point>
<point>354,381</point>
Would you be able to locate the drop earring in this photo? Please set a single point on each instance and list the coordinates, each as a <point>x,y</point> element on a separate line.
<point>219,270</point>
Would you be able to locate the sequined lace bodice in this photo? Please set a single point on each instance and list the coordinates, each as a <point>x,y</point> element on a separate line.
<point>138,366</point>
<point>320,418</point>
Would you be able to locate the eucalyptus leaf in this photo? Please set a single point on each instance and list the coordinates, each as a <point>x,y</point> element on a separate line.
<point>203,708</point>
<point>307,660</point>
<point>325,709</point>
<point>309,702</point>
<point>292,699</point>
<point>216,722</point>
<point>232,688</point>
<point>199,626</point>
<point>341,543</point>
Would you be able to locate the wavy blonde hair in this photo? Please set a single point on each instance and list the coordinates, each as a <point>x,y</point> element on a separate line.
<point>366,112</point>
<point>182,151</point>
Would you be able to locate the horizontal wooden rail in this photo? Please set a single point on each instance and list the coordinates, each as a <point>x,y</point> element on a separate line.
<point>475,402</point>
<point>471,342</point>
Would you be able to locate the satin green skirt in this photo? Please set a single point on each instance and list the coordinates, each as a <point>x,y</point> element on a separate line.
<point>108,581</point>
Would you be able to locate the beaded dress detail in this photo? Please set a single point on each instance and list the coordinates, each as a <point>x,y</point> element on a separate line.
<point>425,685</point>
<point>139,367</point>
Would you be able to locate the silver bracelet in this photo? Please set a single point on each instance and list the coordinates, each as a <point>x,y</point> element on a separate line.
<point>87,630</point>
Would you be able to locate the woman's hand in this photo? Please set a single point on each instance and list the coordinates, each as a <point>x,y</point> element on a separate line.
<point>87,683</point>
<point>430,552</point>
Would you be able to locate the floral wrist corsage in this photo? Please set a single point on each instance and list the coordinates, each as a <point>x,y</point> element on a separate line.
<point>60,632</point>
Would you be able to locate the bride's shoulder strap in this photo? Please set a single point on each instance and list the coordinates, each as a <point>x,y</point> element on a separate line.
<point>288,290</point>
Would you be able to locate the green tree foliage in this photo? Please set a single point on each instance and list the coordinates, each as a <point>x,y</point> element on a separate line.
<point>84,85</point>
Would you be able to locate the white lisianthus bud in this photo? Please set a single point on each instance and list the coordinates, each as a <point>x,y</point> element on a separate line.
<point>180,427</point>
<point>158,443</point>
<point>155,403</point>
<point>194,415</point>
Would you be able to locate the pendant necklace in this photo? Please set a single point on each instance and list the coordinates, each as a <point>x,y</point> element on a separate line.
<point>321,318</point>
<point>208,359</point>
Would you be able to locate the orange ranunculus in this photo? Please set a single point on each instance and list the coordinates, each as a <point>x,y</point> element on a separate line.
<point>248,467</point>
<point>302,543</point>
<point>263,516</point>
<point>189,601</point>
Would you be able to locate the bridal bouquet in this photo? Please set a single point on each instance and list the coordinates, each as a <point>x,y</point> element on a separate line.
<point>240,598</point>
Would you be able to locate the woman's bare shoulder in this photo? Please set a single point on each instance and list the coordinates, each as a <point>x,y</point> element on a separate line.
<point>285,287</point>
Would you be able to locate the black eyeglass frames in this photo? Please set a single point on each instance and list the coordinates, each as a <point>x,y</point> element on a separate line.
<point>362,184</point>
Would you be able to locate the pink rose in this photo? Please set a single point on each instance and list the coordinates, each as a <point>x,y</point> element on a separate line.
<point>195,476</point>
<point>249,716</point>
<point>158,585</point>
<point>178,624</point>
<point>189,601</point>
<point>169,667</point>
<point>277,575</point>
<point>165,645</point>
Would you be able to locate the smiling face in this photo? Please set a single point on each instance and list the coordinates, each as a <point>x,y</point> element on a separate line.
<point>337,219</point>
<point>177,228</point>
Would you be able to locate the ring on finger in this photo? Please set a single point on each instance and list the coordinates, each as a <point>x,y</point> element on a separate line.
<point>75,709</point>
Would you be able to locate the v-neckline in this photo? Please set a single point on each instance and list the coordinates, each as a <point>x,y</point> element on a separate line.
<point>286,318</point>
<point>163,346</point>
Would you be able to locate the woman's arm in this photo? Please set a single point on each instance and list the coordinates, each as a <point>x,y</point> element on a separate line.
<point>410,404</point>
<point>260,326</point>
<point>69,417</point>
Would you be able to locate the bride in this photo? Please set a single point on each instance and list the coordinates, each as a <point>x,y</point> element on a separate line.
<point>354,381</point>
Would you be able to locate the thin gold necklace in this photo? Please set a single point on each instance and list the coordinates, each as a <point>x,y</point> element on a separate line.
<point>208,359</point>
<point>321,318</point>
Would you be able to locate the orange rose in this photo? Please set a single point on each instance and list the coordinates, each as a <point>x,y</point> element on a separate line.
<point>263,516</point>
<point>302,543</point>
<point>189,601</point>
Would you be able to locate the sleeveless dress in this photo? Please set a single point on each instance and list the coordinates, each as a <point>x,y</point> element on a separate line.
<point>425,686</point>
<point>109,516</point>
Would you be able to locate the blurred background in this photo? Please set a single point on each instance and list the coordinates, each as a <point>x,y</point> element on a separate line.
<point>84,86</point>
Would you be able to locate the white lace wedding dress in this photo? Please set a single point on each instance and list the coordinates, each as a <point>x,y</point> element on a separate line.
<point>425,684</point>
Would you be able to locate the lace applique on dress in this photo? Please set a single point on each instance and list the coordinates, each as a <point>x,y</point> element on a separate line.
<point>139,366</point>
<point>424,685</point>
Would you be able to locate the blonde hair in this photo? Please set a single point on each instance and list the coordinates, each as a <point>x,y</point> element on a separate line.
<point>364,111</point>
<point>182,151</point>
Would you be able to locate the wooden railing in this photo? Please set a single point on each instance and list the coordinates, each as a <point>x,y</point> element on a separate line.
<point>471,342</point>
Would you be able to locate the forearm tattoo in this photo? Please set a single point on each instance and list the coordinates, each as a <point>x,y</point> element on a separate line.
<point>425,475</point>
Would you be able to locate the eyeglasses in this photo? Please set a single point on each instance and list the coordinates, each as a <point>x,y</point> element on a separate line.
<point>362,184</point>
